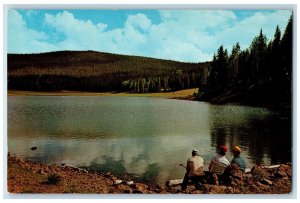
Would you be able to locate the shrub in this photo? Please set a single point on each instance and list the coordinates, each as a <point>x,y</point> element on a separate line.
<point>53,179</point>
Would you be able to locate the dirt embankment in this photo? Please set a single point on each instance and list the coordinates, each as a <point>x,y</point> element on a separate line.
<point>28,177</point>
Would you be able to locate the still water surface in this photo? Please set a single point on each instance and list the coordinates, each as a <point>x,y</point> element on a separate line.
<point>143,137</point>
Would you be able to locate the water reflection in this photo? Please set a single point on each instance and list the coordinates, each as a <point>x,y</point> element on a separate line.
<point>144,159</point>
<point>144,137</point>
<point>264,136</point>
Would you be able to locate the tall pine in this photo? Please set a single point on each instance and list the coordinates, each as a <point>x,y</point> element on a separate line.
<point>286,47</point>
<point>219,71</point>
<point>258,49</point>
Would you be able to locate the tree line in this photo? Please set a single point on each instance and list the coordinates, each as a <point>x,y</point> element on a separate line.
<point>96,71</point>
<point>260,73</point>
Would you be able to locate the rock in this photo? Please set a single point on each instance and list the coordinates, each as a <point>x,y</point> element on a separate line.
<point>197,192</point>
<point>206,187</point>
<point>262,186</point>
<point>137,192</point>
<point>158,189</point>
<point>285,169</point>
<point>142,188</point>
<point>280,174</point>
<point>124,188</point>
<point>117,182</point>
<point>238,175</point>
<point>231,173</point>
<point>233,183</point>
<point>254,189</point>
<point>218,189</point>
<point>41,171</point>
<point>33,148</point>
<point>289,173</point>
<point>229,190</point>
<point>170,183</point>
<point>266,181</point>
<point>258,173</point>
<point>113,178</point>
<point>129,183</point>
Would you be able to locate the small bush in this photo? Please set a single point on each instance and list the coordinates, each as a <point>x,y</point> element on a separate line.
<point>53,179</point>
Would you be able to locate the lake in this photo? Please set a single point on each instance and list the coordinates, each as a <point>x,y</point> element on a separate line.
<point>144,138</point>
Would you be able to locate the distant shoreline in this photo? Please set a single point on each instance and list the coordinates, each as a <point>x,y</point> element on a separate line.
<point>181,94</point>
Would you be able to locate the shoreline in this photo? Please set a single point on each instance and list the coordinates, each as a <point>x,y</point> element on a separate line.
<point>186,94</point>
<point>33,177</point>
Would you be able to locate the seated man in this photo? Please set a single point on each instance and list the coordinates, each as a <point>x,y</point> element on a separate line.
<point>194,171</point>
<point>238,160</point>
<point>218,164</point>
<point>237,165</point>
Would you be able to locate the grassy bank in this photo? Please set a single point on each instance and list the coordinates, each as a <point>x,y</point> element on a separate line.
<point>181,94</point>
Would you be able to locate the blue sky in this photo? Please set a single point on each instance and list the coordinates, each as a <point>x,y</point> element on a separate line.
<point>182,35</point>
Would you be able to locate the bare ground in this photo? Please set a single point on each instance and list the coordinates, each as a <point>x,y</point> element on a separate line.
<point>28,177</point>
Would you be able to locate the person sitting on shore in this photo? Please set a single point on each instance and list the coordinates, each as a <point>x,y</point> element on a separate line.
<point>218,164</point>
<point>194,171</point>
<point>237,159</point>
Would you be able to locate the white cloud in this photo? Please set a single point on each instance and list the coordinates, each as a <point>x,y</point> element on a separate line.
<point>204,18</point>
<point>79,34</point>
<point>21,39</point>
<point>31,13</point>
<point>184,35</point>
<point>245,30</point>
<point>138,21</point>
<point>172,49</point>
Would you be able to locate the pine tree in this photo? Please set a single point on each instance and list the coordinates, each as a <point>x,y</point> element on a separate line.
<point>233,64</point>
<point>287,60</point>
<point>258,49</point>
<point>219,71</point>
<point>276,54</point>
<point>286,47</point>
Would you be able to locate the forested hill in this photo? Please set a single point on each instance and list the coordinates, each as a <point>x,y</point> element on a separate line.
<point>96,71</point>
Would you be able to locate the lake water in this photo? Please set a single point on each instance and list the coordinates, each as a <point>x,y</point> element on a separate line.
<point>144,138</point>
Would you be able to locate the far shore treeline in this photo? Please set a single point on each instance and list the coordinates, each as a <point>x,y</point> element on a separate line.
<point>261,73</point>
<point>101,72</point>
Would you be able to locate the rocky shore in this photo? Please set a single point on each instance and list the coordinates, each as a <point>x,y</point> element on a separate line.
<point>28,177</point>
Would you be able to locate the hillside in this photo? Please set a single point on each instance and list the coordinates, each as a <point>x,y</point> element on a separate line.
<point>96,71</point>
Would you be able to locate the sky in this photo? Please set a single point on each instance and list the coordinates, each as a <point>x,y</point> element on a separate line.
<point>181,35</point>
